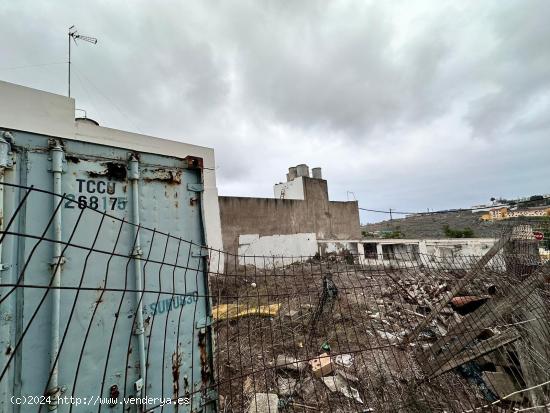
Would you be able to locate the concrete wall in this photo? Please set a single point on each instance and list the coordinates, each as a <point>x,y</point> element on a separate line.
<point>279,249</point>
<point>32,110</point>
<point>338,247</point>
<point>36,111</point>
<point>267,216</point>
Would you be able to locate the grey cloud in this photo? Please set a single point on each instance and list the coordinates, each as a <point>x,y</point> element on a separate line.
<point>518,69</point>
<point>390,98</point>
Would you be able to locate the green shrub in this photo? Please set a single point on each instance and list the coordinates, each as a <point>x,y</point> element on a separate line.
<point>458,233</point>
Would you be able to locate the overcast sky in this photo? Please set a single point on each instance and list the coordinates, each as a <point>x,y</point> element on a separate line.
<point>408,104</point>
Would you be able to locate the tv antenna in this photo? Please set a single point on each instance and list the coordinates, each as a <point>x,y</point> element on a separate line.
<point>74,35</point>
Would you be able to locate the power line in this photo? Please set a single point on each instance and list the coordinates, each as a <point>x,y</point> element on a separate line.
<point>29,66</point>
<point>104,96</point>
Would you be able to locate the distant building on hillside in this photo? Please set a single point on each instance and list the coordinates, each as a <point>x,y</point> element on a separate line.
<point>505,212</point>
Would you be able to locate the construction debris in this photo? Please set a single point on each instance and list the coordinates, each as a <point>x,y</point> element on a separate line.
<point>291,313</point>
<point>287,386</point>
<point>344,360</point>
<point>290,363</point>
<point>401,340</point>
<point>339,384</point>
<point>322,365</point>
<point>264,403</point>
<point>228,311</point>
<point>347,376</point>
<point>388,336</point>
<point>466,304</point>
<point>502,385</point>
<point>307,388</point>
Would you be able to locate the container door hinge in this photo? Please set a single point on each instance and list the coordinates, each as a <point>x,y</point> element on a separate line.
<point>204,322</point>
<point>57,261</point>
<point>4,267</point>
<point>138,385</point>
<point>136,252</point>
<point>195,187</point>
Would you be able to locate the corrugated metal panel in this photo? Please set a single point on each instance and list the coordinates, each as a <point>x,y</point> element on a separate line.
<point>87,244</point>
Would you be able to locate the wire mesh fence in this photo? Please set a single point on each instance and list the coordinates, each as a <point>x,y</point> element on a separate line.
<point>144,320</point>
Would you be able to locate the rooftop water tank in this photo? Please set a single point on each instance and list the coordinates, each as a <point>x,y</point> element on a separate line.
<point>292,173</point>
<point>316,173</point>
<point>303,170</point>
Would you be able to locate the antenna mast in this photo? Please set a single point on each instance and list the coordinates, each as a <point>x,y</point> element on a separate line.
<point>73,34</point>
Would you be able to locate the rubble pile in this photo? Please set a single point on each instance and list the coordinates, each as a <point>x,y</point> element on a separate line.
<point>341,338</point>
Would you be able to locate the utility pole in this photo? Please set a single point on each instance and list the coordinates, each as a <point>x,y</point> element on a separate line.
<point>73,33</point>
<point>391,216</point>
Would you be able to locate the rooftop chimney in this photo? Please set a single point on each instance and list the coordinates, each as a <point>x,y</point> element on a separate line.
<point>302,170</point>
<point>292,173</point>
<point>316,173</point>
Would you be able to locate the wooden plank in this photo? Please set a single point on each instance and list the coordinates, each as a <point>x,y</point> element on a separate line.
<point>498,307</point>
<point>490,314</point>
<point>469,354</point>
<point>459,286</point>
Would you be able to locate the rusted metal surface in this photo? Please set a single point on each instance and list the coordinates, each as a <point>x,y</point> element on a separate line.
<point>466,304</point>
<point>113,170</point>
<point>205,365</point>
<point>169,176</point>
<point>113,393</point>
<point>176,364</point>
<point>194,162</point>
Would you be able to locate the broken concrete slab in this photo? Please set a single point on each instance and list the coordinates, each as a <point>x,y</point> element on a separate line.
<point>392,338</point>
<point>289,363</point>
<point>341,385</point>
<point>307,388</point>
<point>501,383</point>
<point>347,376</point>
<point>344,360</point>
<point>291,314</point>
<point>287,386</point>
<point>264,403</point>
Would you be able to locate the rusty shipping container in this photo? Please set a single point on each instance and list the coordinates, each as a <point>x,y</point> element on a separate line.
<point>104,291</point>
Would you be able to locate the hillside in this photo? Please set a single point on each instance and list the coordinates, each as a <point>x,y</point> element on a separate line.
<point>431,225</point>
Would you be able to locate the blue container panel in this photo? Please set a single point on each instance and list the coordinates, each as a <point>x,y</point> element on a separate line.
<point>99,352</point>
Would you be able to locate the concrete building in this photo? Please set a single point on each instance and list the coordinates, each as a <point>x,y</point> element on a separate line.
<point>298,222</point>
<point>36,111</point>
<point>454,252</point>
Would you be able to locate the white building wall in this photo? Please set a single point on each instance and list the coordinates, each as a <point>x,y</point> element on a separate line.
<point>282,249</point>
<point>36,111</point>
<point>462,247</point>
<point>290,190</point>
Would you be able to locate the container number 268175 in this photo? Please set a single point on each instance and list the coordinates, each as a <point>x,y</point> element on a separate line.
<point>105,202</point>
